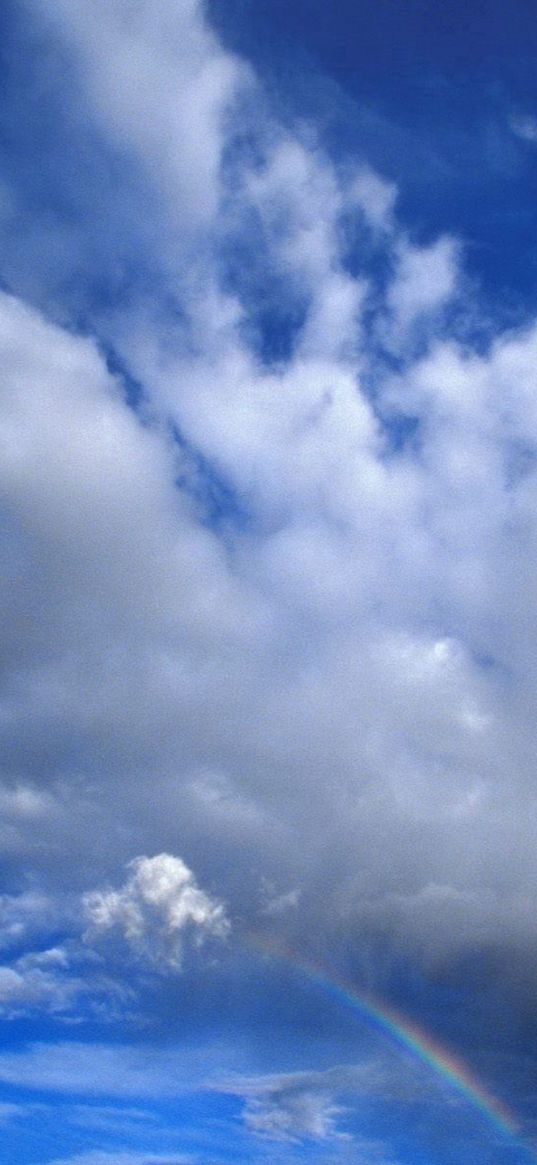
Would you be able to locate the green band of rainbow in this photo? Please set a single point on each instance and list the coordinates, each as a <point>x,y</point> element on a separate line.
<point>405,1033</point>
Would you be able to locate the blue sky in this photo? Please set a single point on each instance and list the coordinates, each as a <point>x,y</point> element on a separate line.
<point>268,477</point>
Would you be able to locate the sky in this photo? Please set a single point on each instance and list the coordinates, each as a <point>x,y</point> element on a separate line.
<point>268,504</point>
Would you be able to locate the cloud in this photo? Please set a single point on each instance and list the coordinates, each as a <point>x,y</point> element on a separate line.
<point>25,916</point>
<point>62,982</point>
<point>119,1157</point>
<point>269,555</point>
<point>274,904</point>
<point>290,1107</point>
<point>117,1119</point>
<point>158,903</point>
<point>160,85</point>
<point>376,198</point>
<point>305,1115</point>
<point>103,1070</point>
<point>525,127</point>
<point>247,618</point>
<point>10,1112</point>
<point>30,982</point>
<point>424,281</point>
<point>313,1105</point>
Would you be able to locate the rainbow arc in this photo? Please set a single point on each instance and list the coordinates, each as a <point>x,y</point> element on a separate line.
<point>408,1035</point>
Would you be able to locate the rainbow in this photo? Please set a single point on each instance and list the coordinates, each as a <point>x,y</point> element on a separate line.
<point>405,1034</point>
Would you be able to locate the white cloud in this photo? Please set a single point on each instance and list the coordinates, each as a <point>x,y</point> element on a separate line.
<point>290,1107</point>
<point>157,907</point>
<point>307,659</point>
<point>112,1118</point>
<point>102,1070</point>
<point>376,197</point>
<point>298,1106</point>
<point>119,1157</point>
<point>425,279</point>
<point>524,126</point>
<point>61,982</point>
<point>246,620</point>
<point>25,916</point>
<point>307,1114</point>
<point>9,1112</point>
<point>159,84</point>
<point>274,903</point>
<point>28,983</point>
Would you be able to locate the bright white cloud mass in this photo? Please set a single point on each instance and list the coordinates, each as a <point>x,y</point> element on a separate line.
<point>158,901</point>
<point>269,511</point>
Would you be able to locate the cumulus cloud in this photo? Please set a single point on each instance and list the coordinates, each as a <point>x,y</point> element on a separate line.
<point>157,905</point>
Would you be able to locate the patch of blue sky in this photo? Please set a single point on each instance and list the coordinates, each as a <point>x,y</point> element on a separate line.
<point>219,505</point>
<point>431,98</point>
<point>48,1128</point>
<point>135,394</point>
<point>208,1127</point>
<point>289,1027</point>
<point>274,312</point>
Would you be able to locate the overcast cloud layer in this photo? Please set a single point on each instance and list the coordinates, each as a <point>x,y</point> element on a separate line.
<point>268,484</point>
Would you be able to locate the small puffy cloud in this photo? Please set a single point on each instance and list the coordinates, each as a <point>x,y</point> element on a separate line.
<point>156,907</point>
<point>298,200</point>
